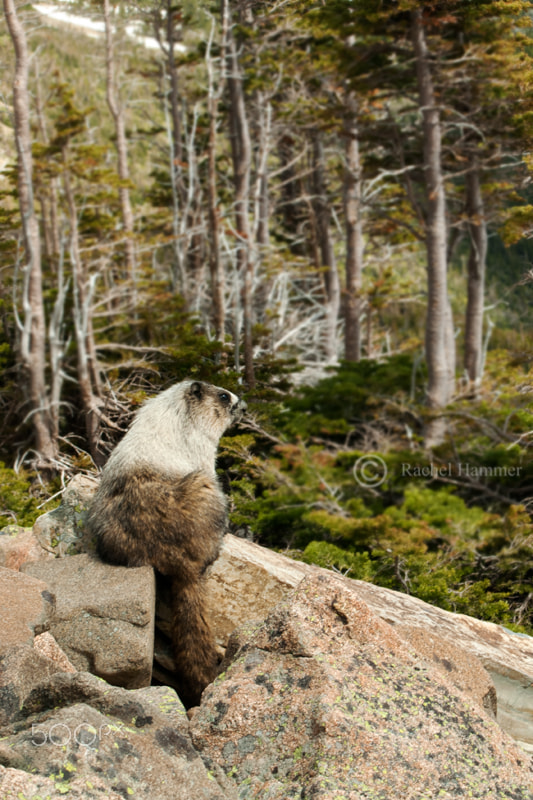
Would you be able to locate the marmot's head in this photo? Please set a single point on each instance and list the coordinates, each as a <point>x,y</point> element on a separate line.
<point>211,407</point>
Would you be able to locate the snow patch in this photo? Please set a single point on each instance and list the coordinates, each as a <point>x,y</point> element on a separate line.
<point>95,28</point>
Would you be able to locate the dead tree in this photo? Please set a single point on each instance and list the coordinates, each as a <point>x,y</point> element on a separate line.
<point>48,195</point>
<point>32,340</point>
<point>322,213</point>
<point>440,343</point>
<point>477,228</point>
<point>214,94</point>
<point>82,286</point>
<point>353,202</point>
<point>117,112</point>
<point>241,150</point>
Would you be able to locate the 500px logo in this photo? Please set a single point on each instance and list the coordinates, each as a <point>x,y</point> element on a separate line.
<point>370,471</point>
<point>60,734</point>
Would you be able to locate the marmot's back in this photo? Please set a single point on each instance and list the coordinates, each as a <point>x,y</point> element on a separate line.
<point>174,524</point>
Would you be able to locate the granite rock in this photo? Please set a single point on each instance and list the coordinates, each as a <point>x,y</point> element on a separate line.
<point>104,616</point>
<point>46,645</point>
<point>62,531</point>
<point>492,663</point>
<point>82,738</point>
<point>325,700</point>
<point>27,607</point>
<point>18,546</point>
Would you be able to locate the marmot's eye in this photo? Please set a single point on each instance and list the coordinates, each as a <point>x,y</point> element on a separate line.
<point>224,397</point>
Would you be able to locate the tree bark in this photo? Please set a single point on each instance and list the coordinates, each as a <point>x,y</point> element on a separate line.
<point>33,335</point>
<point>174,84</point>
<point>242,157</point>
<point>327,254</point>
<point>166,20</point>
<point>48,196</point>
<point>57,341</point>
<point>216,267</point>
<point>477,228</point>
<point>88,378</point>
<point>440,352</point>
<point>262,202</point>
<point>354,237</point>
<point>117,112</point>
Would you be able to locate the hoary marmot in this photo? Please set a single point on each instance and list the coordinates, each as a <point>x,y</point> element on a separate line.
<point>159,502</point>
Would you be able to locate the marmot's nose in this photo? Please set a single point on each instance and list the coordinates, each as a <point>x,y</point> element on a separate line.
<point>241,406</point>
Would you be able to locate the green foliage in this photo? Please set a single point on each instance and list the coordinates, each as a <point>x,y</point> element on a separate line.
<point>424,530</point>
<point>441,509</point>
<point>353,390</point>
<point>518,223</point>
<point>20,501</point>
<point>354,565</point>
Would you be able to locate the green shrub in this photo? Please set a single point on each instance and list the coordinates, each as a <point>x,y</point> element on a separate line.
<point>20,500</point>
<point>354,565</point>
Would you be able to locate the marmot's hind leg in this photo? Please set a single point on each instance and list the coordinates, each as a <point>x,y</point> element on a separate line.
<point>195,654</point>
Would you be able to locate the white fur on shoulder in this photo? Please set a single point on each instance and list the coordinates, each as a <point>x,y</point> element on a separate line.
<point>174,435</point>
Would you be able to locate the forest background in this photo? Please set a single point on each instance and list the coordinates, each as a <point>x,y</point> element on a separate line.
<point>324,206</point>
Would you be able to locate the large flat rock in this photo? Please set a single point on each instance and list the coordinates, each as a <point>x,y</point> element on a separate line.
<point>248,580</point>
<point>324,700</point>
<point>104,616</point>
<point>26,605</point>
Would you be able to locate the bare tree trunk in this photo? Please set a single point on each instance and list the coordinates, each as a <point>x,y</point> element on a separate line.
<point>242,157</point>
<point>263,234</point>
<point>477,228</point>
<point>174,82</point>
<point>261,200</point>
<point>54,250</point>
<point>48,199</point>
<point>329,264</point>
<point>216,267</point>
<point>440,352</point>
<point>449,344</point>
<point>54,216</point>
<point>179,277</point>
<point>190,224</point>
<point>33,335</point>
<point>262,130</point>
<point>354,238</point>
<point>88,378</point>
<point>369,347</point>
<point>170,24</point>
<point>46,225</point>
<point>117,112</point>
<point>166,19</point>
<point>57,341</point>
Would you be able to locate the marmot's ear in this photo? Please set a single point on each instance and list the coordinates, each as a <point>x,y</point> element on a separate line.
<point>197,389</point>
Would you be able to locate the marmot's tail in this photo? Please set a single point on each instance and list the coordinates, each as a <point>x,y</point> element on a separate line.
<point>194,648</point>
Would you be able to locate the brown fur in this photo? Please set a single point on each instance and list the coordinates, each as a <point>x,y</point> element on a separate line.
<point>172,517</point>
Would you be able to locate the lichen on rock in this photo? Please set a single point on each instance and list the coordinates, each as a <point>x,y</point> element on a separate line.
<point>325,700</point>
